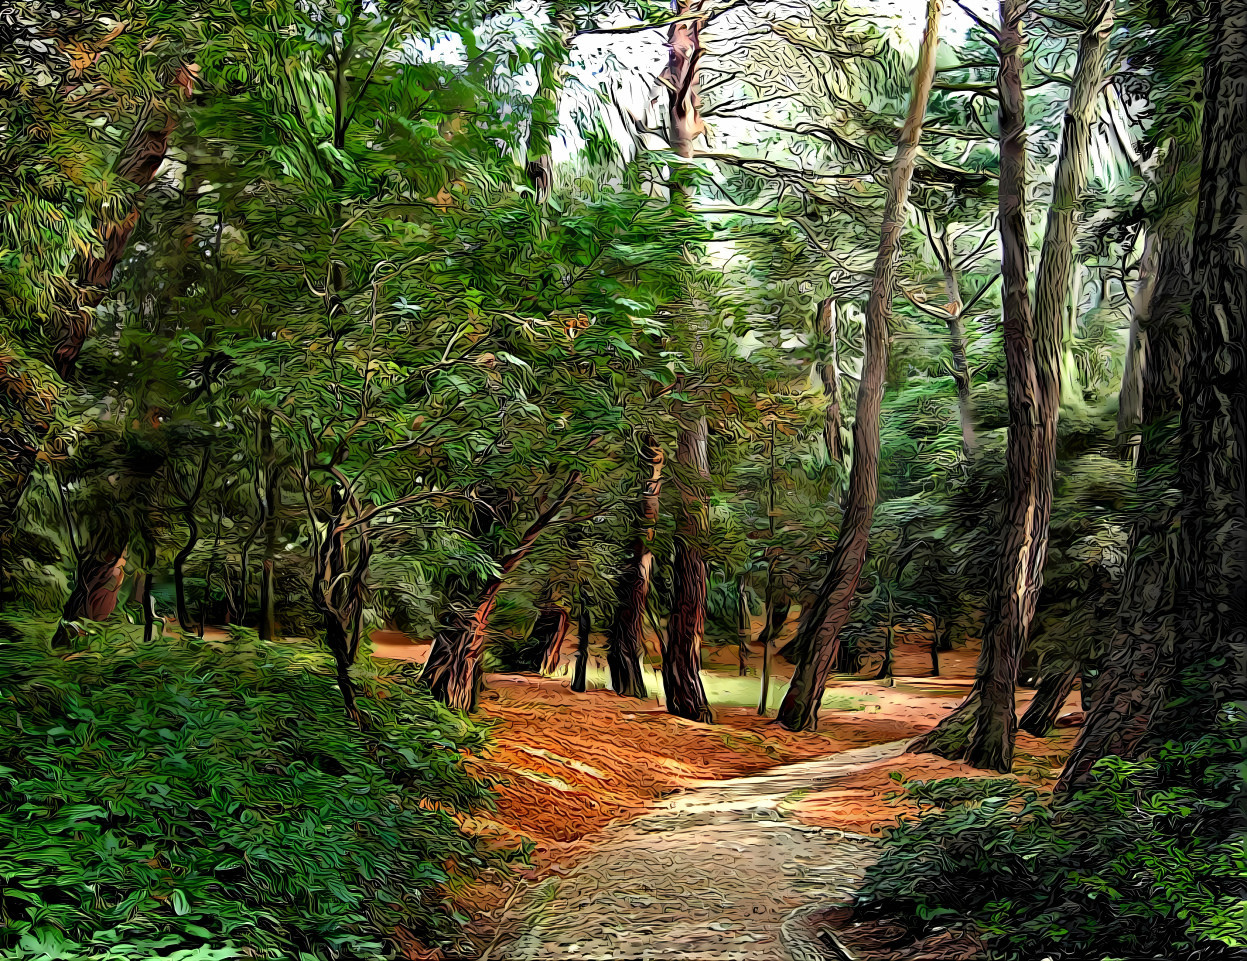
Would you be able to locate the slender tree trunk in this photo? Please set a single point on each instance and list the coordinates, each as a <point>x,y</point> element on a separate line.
<point>1141,697</point>
<point>889,645</point>
<point>961,366</point>
<point>584,628</point>
<point>681,663</point>
<point>625,641</point>
<point>743,631</point>
<point>1130,397</point>
<point>818,638</point>
<point>192,539</point>
<point>937,630</point>
<point>828,359</point>
<point>547,101</point>
<point>1054,688</point>
<point>269,508</point>
<point>982,729</point>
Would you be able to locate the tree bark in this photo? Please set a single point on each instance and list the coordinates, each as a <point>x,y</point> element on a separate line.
<point>625,641</point>
<point>268,506</point>
<point>982,729</point>
<point>1130,396</point>
<point>682,654</point>
<point>192,539</point>
<point>453,671</point>
<point>584,628</point>
<point>681,663</point>
<point>548,99</point>
<point>818,638</point>
<point>961,366</point>
<point>1054,688</point>
<point>743,632</point>
<point>828,359</point>
<point>1199,624</point>
<point>552,624</point>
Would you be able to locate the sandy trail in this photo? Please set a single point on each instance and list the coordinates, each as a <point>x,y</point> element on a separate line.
<point>719,872</point>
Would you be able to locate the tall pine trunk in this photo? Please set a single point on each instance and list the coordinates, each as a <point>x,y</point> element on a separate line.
<point>625,644</point>
<point>1200,623</point>
<point>818,638</point>
<point>957,345</point>
<point>982,729</point>
<point>826,342</point>
<point>584,628</point>
<point>681,662</point>
<point>681,665</point>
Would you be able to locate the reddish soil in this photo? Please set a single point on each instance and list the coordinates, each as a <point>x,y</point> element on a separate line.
<point>568,764</point>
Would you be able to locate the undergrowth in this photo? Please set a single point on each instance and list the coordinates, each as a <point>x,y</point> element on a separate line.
<point>1148,863</point>
<point>195,800</point>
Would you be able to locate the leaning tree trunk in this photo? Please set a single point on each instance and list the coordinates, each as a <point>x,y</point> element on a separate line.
<point>625,641</point>
<point>1142,697</point>
<point>982,729</point>
<point>818,638</point>
<point>97,582</point>
<point>1054,688</point>
<point>453,671</point>
<point>551,628</point>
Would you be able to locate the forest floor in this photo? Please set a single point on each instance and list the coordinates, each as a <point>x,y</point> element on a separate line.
<point>655,837</point>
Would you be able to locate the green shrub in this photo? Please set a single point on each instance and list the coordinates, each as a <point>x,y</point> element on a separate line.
<point>199,800</point>
<point>1150,862</point>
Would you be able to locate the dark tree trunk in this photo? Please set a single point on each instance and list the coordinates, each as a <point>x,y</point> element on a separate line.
<point>1054,688</point>
<point>625,641</point>
<point>97,582</point>
<point>192,539</point>
<point>818,638</point>
<point>983,728</point>
<point>828,359</point>
<point>1141,697</point>
<point>889,645</point>
<point>681,663</point>
<point>584,628</point>
<point>936,643</point>
<point>743,630</point>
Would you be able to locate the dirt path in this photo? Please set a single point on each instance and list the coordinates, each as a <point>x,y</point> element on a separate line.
<point>719,873</point>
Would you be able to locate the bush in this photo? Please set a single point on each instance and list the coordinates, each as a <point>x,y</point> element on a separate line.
<point>1150,862</point>
<point>200,800</point>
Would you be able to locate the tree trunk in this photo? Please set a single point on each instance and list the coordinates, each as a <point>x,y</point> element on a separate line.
<point>547,101</point>
<point>818,638</point>
<point>100,574</point>
<point>937,630</point>
<point>584,627</point>
<point>743,630</point>
<point>961,366</point>
<point>1130,397</point>
<point>453,671</point>
<point>1142,697</point>
<point>192,539</point>
<point>826,342</point>
<point>889,645</point>
<point>982,729</point>
<point>271,499</point>
<point>552,624</point>
<point>1054,688</point>
<point>625,641</point>
<point>681,663</point>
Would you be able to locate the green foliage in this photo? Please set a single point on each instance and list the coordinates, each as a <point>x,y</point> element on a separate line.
<point>1148,862</point>
<point>198,800</point>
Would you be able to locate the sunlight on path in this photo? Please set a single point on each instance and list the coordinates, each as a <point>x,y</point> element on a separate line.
<point>712,875</point>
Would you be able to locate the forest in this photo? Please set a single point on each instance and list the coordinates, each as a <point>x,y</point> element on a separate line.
<point>455,451</point>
